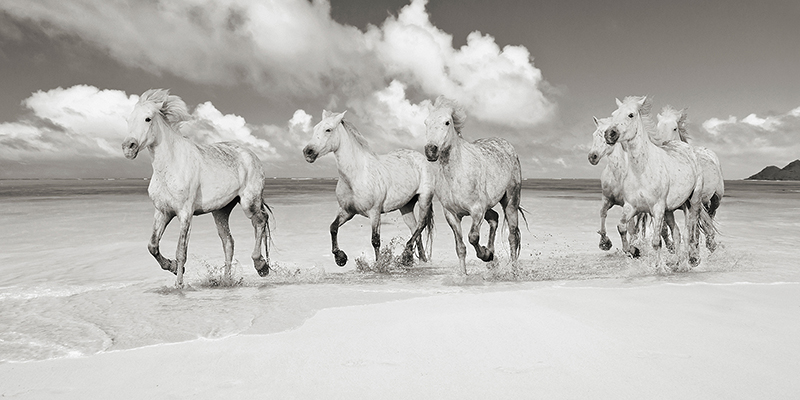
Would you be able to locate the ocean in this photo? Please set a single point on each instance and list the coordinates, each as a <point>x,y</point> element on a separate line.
<point>76,277</point>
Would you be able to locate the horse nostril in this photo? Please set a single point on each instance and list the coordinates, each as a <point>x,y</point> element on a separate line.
<point>431,152</point>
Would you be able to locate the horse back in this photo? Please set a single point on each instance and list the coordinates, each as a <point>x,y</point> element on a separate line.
<point>499,159</point>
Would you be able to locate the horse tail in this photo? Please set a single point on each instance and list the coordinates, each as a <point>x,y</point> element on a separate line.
<point>706,223</point>
<point>522,212</point>
<point>267,210</point>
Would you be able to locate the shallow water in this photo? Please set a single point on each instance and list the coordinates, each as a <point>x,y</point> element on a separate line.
<point>77,278</point>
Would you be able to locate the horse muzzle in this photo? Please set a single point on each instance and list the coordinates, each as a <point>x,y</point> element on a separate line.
<point>612,136</point>
<point>432,152</point>
<point>594,158</point>
<point>130,148</point>
<point>310,154</point>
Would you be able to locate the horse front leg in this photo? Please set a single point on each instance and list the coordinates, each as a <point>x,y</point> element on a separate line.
<point>185,219</point>
<point>492,219</point>
<point>339,255</point>
<point>461,250</point>
<point>628,213</point>
<point>221,219</point>
<point>160,222</point>
<point>605,242</point>
<point>657,211</point>
<point>674,241</point>
<point>475,236</point>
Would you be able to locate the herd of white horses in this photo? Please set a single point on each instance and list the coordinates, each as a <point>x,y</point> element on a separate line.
<point>651,172</point>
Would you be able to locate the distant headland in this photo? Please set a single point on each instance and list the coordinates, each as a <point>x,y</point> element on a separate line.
<point>791,172</point>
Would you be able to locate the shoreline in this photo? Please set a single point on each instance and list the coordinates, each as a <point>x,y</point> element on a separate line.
<point>728,341</point>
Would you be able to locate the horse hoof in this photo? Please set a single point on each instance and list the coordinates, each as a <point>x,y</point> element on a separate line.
<point>487,255</point>
<point>172,266</point>
<point>605,244</point>
<point>341,258</point>
<point>407,258</point>
<point>671,248</point>
<point>694,261</point>
<point>635,252</point>
<point>262,267</point>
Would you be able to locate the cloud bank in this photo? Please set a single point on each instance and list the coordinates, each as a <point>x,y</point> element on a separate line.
<point>775,138</point>
<point>294,48</point>
<point>84,121</point>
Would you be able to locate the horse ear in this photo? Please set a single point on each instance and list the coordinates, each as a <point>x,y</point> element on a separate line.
<point>596,123</point>
<point>619,103</point>
<point>325,114</point>
<point>337,119</point>
<point>642,101</point>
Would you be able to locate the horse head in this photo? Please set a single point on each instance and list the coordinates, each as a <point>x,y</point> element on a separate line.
<point>442,125</point>
<point>671,125</point>
<point>155,109</point>
<point>323,140</point>
<point>600,148</point>
<point>626,120</point>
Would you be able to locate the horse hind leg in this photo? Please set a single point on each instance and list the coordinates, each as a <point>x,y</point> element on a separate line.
<point>416,228</point>
<point>221,218</point>
<point>255,210</point>
<point>709,231</point>
<point>511,211</point>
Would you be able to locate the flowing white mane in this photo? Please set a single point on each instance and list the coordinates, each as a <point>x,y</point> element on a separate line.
<point>357,136</point>
<point>678,115</point>
<point>171,107</point>
<point>455,110</point>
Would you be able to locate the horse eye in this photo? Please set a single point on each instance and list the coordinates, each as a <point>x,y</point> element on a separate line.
<point>630,115</point>
<point>328,130</point>
<point>147,119</point>
<point>447,123</point>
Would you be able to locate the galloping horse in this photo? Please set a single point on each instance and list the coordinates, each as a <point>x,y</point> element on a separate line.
<point>658,178</point>
<point>472,178</point>
<point>192,179</point>
<point>371,185</point>
<point>611,184</point>
<point>672,126</point>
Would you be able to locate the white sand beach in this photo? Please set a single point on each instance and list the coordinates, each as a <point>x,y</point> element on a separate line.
<point>668,341</point>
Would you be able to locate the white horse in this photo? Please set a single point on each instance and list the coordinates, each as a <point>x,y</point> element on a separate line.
<point>371,185</point>
<point>658,178</point>
<point>472,178</point>
<point>611,184</point>
<point>192,179</point>
<point>672,126</point>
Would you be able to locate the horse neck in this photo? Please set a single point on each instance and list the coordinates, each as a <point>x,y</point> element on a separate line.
<point>167,144</point>
<point>617,161</point>
<point>351,157</point>
<point>639,149</point>
<point>451,164</point>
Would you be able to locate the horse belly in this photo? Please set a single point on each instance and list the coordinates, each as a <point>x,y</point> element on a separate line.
<point>402,177</point>
<point>216,190</point>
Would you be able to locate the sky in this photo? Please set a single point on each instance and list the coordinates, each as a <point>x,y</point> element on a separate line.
<point>261,72</point>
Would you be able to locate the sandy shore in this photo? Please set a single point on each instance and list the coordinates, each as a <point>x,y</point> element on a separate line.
<point>661,341</point>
